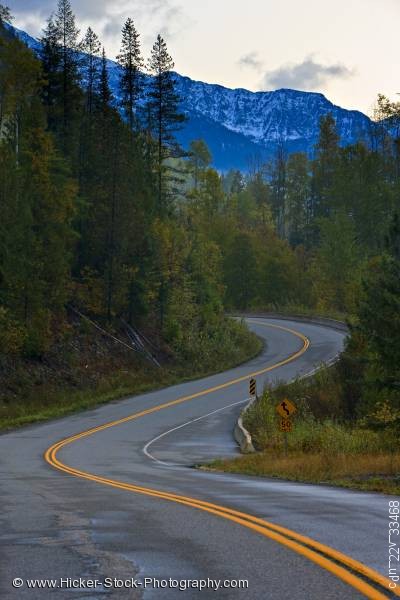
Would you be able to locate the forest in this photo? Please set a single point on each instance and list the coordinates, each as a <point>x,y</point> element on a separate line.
<point>104,215</point>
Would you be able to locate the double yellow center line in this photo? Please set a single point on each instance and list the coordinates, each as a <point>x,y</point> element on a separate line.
<point>342,566</point>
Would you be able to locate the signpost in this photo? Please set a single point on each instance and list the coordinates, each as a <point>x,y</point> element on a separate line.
<point>285,410</point>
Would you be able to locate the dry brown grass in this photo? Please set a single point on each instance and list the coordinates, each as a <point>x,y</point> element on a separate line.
<point>374,472</point>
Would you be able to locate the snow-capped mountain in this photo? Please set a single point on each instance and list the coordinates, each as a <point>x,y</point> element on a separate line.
<point>265,119</point>
<point>239,125</point>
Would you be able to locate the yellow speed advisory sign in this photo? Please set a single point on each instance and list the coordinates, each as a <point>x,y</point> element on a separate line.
<point>286,409</point>
<point>285,425</point>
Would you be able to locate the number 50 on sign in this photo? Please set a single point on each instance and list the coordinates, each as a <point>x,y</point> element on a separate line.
<point>286,425</point>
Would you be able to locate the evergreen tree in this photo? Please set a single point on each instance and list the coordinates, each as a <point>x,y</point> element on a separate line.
<point>90,70</point>
<point>385,132</point>
<point>19,82</point>
<point>165,118</point>
<point>325,166</point>
<point>261,193</point>
<point>280,282</point>
<point>337,264</point>
<point>38,203</point>
<point>278,190</point>
<point>379,327</point>
<point>393,238</point>
<point>199,159</point>
<point>368,193</point>
<point>297,198</point>
<point>5,15</point>
<point>61,67</point>
<point>210,194</point>
<point>104,91</point>
<point>50,55</point>
<point>68,35</point>
<point>90,66</point>
<point>241,272</point>
<point>131,62</point>
<point>234,182</point>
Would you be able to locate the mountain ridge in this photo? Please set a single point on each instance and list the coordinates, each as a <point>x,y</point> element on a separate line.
<point>239,125</point>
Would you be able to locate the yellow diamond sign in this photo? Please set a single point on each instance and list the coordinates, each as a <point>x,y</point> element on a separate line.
<point>286,408</point>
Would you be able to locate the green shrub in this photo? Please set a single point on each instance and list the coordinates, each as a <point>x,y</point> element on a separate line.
<point>12,334</point>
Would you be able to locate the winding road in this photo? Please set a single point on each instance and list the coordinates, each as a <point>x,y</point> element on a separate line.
<point>111,493</point>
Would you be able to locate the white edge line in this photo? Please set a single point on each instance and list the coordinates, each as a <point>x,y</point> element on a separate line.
<point>145,449</point>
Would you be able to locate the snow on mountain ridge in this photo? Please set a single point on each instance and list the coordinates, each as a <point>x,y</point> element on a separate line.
<point>281,115</point>
<point>238,123</point>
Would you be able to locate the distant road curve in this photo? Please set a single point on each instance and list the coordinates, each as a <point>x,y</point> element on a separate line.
<point>148,513</point>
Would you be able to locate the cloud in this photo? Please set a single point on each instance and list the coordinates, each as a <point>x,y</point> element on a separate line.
<point>307,75</point>
<point>172,20</point>
<point>107,18</point>
<point>251,60</point>
<point>89,8</point>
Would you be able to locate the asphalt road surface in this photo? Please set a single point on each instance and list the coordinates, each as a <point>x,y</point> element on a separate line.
<point>123,501</point>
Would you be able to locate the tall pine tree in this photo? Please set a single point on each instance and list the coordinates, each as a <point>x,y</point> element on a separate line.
<point>325,169</point>
<point>131,62</point>
<point>278,189</point>
<point>91,64</point>
<point>61,67</point>
<point>165,118</point>
<point>297,198</point>
<point>103,90</point>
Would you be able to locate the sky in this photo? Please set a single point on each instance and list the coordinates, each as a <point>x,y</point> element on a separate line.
<point>347,49</point>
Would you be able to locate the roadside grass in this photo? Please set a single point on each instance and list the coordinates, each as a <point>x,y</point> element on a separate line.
<point>324,446</point>
<point>101,372</point>
<point>50,402</point>
<point>368,472</point>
